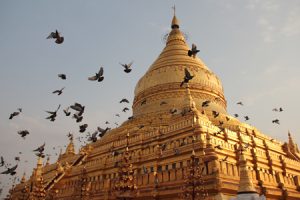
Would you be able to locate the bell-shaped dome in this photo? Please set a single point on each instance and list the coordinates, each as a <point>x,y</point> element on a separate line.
<point>159,89</point>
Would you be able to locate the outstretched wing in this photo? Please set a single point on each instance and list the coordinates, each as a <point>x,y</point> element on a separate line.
<point>101,71</point>
<point>52,35</point>
<point>93,78</point>
<point>129,65</point>
<point>187,73</point>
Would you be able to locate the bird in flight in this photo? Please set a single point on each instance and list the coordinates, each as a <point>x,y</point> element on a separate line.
<point>125,109</point>
<point>2,161</point>
<point>127,67</point>
<point>40,148</point>
<point>98,77</point>
<point>11,171</point>
<point>14,114</point>
<point>82,128</point>
<point>53,114</point>
<point>187,77</point>
<point>66,111</point>
<point>124,101</point>
<point>215,114</point>
<point>205,103</point>
<point>23,133</point>
<point>246,118</point>
<point>275,121</point>
<point>240,103</point>
<point>59,92</point>
<point>193,51</point>
<point>56,35</point>
<point>62,76</point>
<point>236,115</point>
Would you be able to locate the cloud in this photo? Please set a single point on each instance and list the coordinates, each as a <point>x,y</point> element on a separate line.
<point>292,24</point>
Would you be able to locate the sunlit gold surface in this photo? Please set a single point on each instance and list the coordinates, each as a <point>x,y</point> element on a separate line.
<point>266,166</point>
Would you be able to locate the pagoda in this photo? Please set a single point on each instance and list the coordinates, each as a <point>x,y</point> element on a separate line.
<point>170,135</point>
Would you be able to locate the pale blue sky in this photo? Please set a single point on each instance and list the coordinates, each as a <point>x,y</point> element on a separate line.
<point>253,46</point>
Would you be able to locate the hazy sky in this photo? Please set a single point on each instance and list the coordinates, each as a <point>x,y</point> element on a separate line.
<point>253,46</point>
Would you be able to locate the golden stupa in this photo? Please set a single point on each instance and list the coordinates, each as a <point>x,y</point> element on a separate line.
<point>195,152</point>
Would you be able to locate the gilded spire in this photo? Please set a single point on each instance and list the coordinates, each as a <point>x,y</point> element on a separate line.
<point>70,148</point>
<point>23,180</point>
<point>246,184</point>
<point>175,22</point>
<point>39,167</point>
<point>291,141</point>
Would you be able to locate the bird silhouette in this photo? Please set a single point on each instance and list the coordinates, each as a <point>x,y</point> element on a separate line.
<point>125,109</point>
<point>56,35</point>
<point>163,103</point>
<point>144,102</point>
<point>23,133</point>
<point>11,171</point>
<point>82,128</point>
<point>193,51</point>
<point>240,103</point>
<point>59,92</point>
<point>215,113</point>
<point>275,121</point>
<point>124,101</point>
<point>224,159</point>
<point>117,115</point>
<point>127,67</point>
<point>218,147</point>
<point>236,115</point>
<point>14,114</point>
<point>246,118</point>
<point>62,76</point>
<point>275,109</point>
<point>53,114</point>
<point>280,109</point>
<point>99,76</point>
<point>173,111</point>
<point>77,117</point>
<point>66,111</point>
<point>187,77</point>
<point>205,103</point>
<point>102,131</point>
<point>40,148</point>
<point>2,161</point>
<point>106,122</point>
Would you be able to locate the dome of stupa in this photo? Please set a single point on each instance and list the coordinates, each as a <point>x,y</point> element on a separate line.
<point>161,83</point>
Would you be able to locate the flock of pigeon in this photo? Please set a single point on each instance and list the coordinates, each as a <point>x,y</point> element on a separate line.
<point>77,115</point>
<point>100,132</point>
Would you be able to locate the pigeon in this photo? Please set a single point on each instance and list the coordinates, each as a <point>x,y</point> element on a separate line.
<point>215,114</point>
<point>82,128</point>
<point>106,122</point>
<point>163,103</point>
<point>78,107</point>
<point>205,103</point>
<point>227,118</point>
<point>117,115</point>
<point>275,121</point>
<point>240,103</point>
<point>246,118</point>
<point>224,159</point>
<point>59,92</point>
<point>173,111</point>
<point>40,154</point>
<point>56,35</point>
<point>17,158</point>
<point>127,67</point>
<point>144,102</point>
<point>70,135</point>
<point>62,76</point>
<point>176,151</point>
<point>77,117</point>
<point>275,109</point>
<point>125,109</point>
<point>102,131</point>
<point>93,138</point>
<point>218,147</point>
<point>14,114</point>
<point>10,171</point>
<point>193,51</point>
<point>23,133</point>
<point>219,132</point>
<point>99,76</point>
<point>2,161</point>
<point>124,101</point>
<point>66,111</point>
<point>221,123</point>
<point>53,114</point>
<point>40,148</point>
<point>236,115</point>
<point>130,118</point>
<point>187,77</point>
<point>280,109</point>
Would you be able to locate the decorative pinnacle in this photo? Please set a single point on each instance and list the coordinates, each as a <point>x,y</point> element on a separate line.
<point>175,22</point>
